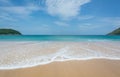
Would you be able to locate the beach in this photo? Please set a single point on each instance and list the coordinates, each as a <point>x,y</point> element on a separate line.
<point>31,56</point>
<point>83,68</point>
<point>59,38</point>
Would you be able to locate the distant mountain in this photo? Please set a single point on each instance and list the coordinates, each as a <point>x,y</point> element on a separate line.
<point>9,32</point>
<point>115,32</point>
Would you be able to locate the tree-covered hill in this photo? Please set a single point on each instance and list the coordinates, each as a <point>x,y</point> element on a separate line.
<point>115,32</point>
<point>9,32</point>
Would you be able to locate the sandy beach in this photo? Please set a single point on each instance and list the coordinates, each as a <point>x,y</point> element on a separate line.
<point>59,38</point>
<point>84,59</point>
<point>83,68</point>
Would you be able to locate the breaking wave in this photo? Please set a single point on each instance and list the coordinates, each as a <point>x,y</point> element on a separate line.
<point>14,55</point>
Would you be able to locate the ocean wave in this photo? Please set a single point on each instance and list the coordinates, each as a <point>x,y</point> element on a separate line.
<point>14,55</point>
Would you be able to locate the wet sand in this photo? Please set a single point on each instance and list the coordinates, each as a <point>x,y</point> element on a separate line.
<point>80,68</point>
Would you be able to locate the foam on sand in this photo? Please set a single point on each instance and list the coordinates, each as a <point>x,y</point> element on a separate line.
<point>14,55</point>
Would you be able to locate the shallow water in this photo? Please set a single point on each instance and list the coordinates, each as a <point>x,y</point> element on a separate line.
<point>22,54</point>
<point>60,38</point>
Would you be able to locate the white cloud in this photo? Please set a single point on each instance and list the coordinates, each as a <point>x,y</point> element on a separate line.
<point>60,23</point>
<point>87,17</point>
<point>65,8</point>
<point>21,10</point>
<point>15,11</point>
<point>5,17</point>
<point>88,26</point>
<point>12,12</point>
<point>105,24</point>
<point>112,20</point>
<point>4,1</point>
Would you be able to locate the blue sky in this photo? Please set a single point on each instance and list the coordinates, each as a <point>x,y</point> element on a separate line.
<point>60,17</point>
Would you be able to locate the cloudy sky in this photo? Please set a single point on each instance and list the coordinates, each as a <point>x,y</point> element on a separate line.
<point>60,17</point>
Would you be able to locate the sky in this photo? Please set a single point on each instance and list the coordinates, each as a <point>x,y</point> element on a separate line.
<point>60,17</point>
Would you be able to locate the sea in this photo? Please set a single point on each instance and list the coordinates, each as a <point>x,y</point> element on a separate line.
<point>59,38</point>
<point>32,50</point>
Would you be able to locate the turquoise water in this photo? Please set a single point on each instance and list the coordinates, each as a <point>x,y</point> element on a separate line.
<point>28,51</point>
<point>58,38</point>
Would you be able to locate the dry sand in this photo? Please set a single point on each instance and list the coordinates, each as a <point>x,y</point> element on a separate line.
<point>85,68</point>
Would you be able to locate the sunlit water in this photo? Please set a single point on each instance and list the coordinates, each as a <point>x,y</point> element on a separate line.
<point>27,51</point>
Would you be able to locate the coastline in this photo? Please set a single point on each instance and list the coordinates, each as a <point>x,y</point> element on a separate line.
<point>60,59</point>
<point>73,68</point>
<point>15,55</point>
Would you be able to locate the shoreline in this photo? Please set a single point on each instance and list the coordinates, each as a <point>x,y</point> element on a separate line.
<point>42,64</point>
<point>64,59</point>
<point>83,68</point>
<point>15,55</point>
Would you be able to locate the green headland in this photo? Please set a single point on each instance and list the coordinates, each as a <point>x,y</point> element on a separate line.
<point>115,32</point>
<point>9,32</point>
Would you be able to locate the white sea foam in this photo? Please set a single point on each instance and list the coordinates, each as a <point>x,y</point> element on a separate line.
<point>14,55</point>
